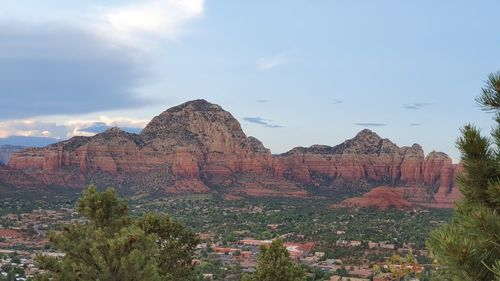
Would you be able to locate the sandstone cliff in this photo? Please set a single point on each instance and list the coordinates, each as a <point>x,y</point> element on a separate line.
<point>199,147</point>
<point>184,149</point>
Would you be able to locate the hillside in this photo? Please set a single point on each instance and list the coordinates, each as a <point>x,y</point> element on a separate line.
<point>198,147</point>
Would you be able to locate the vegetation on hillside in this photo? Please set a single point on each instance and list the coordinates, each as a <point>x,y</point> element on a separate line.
<point>110,245</point>
<point>275,264</point>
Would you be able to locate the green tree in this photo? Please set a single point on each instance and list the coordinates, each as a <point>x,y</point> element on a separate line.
<point>468,248</point>
<point>175,244</point>
<point>400,268</point>
<point>110,245</point>
<point>275,264</point>
<point>12,273</point>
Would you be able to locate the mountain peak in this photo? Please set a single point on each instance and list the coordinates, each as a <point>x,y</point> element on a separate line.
<point>198,123</point>
<point>366,134</point>
<point>366,142</point>
<point>196,105</point>
<point>113,130</point>
<point>198,145</point>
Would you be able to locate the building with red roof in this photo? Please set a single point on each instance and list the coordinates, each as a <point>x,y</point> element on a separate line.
<point>9,234</point>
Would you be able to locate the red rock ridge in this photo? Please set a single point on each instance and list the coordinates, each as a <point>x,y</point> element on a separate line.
<point>197,146</point>
<point>382,197</point>
<point>183,149</point>
<point>369,157</point>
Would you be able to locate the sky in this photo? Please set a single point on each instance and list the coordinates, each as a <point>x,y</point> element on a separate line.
<point>294,73</point>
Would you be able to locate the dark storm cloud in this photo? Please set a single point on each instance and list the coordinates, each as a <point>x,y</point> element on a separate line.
<point>416,105</point>
<point>47,69</point>
<point>261,121</point>
<point>371,124</point>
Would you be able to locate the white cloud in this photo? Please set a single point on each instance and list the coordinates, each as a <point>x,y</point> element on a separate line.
<point>270,62</point>
<point>265,63</point>
<point>75,127</point>
<point>154,18</point>
<point>81,57</point>
<point>78,126</point>
<point>118,22</point>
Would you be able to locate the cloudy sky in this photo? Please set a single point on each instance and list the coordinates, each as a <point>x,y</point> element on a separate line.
<point>294,73</point>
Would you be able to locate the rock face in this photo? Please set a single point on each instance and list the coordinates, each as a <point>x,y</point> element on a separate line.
<point>382,197</point>
<point>367,157</point>
<point>199,147</point>
<point>185,149</point>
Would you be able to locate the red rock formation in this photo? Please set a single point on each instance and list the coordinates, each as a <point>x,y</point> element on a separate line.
<point>17,178</point>
<point>447,193</point>
<point>367,157</point>
<point>197,146</point>
<point>196,140</point>
<point>381,197</point>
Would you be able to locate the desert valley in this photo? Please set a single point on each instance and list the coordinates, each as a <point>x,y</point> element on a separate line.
<point>198,140</point>
<point>195,162</point>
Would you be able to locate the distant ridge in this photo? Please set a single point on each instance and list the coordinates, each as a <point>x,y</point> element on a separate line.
<point>199,147</point>
<point>6,152</point>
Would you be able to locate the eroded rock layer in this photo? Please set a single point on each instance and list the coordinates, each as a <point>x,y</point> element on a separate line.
<point>199,147</point>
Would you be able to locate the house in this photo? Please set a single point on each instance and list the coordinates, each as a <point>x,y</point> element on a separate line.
<point>294,251</point>
<point>310,260</point>
<point>342,243</point>
<point>319,254</point>
<point>297,250</point>
<point>208,276</point>
<point>246,254</point>
<point>340,278</point>
<point>355,243</point>
<point>252,242</point>
<point>9,234</point>
<point>273,226</point>
<point>332,261</point>
<point>202,246</point>
<point>206,235</point>
<point>385,245</point>
<point>423,253</point>
<point>225,250</point>
<point>388,246</point>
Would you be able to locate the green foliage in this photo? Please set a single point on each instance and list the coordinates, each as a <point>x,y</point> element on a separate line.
<point>175,247</point>
<point>469,247</point>
<point>13,273</point>
<point>104,209</point>
<point>315,273</point>
<point>112,246</point>
<point>275,264</point>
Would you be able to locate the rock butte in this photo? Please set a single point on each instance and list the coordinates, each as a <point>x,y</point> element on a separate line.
<point>381,197</point>
<point>198,147</point>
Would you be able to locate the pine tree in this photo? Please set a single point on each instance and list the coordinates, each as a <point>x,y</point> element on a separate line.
<point>110,245</point>
<point>175,245</point>
<point>275,264</point>
<point>468,248</point>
